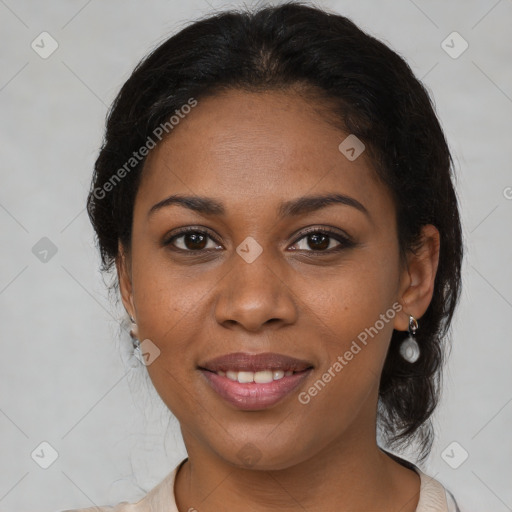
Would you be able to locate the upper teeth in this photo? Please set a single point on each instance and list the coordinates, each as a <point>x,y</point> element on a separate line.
<point>261,377</point>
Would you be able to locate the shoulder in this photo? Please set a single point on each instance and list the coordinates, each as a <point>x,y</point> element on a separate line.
<point>123,506</point>
<point>434,496</point>
<point>159,499</point>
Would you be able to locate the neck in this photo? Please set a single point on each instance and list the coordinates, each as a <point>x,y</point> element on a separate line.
<point>346,475</point>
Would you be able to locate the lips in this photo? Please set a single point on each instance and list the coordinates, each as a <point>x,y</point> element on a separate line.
<point>254,396</point>
<point>254,381</point>
<point>245,362</point>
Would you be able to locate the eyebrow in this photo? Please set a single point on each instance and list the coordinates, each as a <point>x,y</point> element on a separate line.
<point>294,207</point>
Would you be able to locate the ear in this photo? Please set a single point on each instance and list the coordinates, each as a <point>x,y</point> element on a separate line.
<point>417,279</point>
<point>123,266</point>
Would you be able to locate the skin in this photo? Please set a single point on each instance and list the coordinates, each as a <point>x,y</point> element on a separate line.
<point>252,151</point>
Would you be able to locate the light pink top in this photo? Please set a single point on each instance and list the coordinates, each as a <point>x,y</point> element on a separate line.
<point>433,497</point>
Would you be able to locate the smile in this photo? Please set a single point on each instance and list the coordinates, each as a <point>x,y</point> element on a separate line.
<point>237,390</point>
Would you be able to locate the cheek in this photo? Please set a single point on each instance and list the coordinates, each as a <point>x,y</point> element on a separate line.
<point>168,299</point>
<point>374,282</point>
<point>356,315</point>
<point>168,307</point>
<point>356,293</point>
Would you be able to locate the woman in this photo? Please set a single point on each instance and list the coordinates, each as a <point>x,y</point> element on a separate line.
<point>275,193</point>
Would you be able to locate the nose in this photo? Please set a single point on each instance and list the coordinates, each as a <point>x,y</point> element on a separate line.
<point>255,295</point>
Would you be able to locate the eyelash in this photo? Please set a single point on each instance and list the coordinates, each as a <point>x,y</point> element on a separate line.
<point>345,241</point>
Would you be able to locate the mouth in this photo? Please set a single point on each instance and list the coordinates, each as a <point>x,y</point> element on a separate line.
<point>254,382</point>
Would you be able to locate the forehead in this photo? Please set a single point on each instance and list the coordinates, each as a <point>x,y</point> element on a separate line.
<point>255,148</point>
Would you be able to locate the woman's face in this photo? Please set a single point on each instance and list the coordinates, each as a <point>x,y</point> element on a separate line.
<point>257,282</point>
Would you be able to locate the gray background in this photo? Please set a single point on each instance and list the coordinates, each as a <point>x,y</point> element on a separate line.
<point>65,368</point>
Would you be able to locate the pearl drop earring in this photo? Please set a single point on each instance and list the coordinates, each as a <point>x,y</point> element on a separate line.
<point>409,349</point>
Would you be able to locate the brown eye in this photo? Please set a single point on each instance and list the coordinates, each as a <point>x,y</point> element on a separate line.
<point>318,241</point>
<point>322,241</point>
<point>192,240</point>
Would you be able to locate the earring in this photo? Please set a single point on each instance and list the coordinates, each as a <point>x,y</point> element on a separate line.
<point>134,335</point>
<point>136,346</point>
<point>409,349</point>
<point>133,331</point>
